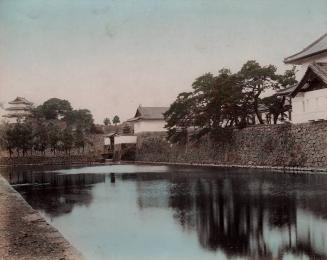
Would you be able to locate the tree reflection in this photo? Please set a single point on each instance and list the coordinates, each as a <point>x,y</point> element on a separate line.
<point>53,193</point>
<point>247,217</point>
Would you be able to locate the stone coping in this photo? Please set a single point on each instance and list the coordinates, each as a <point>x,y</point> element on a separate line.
<point>288,169</point>
<point>25,234</point>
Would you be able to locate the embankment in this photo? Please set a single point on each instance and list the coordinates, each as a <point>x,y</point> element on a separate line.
<point>24,234</point>
<point>300,145</point>
<point>49,160</point>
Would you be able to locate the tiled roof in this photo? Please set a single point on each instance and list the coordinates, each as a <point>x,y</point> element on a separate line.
<point>319,46</point>
<point>149,113</point>
<point>286,91</point>
<point>20,100</point>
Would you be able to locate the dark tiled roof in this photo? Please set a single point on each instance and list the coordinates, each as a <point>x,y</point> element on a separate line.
<point>149,113</point>
<point>319,46</point>
<point>286,91</point>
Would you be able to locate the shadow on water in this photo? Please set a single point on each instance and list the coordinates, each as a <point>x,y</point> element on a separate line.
<point>52,192</point>
<point>266,216</point>
<point>241,213</point>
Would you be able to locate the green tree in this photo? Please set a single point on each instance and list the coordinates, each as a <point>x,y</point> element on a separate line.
<point>81,118</point>
<point>6,142</point>
<point>79,139</point>
<point>255,80</point>
<point>216,102</point>
<point>53,109</point>
<point>277,106</point>
<point>67,139</point>
<point>116,120</point>
<point>106,121</point>
<point>19,136</point>
<point>40,137</point>
<point>54,137</point>
<point>225,101</point>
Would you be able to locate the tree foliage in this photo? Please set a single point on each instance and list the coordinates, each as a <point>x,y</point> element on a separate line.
<point>116,120</point>
<point>225,101</point>
<point>106,121</point>
<point>53,108</point>
<point>81,118</point>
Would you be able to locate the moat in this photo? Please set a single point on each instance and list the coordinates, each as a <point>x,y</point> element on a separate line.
<point>170,212</point>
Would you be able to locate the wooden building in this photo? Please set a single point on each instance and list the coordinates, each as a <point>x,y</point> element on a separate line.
<point>149,119</point>
<point>309,97</point>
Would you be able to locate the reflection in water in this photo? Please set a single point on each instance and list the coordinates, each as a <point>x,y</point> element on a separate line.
<point>239,213</point>
<point>252,215</point>
<point>52,192</point>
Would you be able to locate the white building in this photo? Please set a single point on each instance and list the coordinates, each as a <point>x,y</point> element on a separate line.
<point>309,98</point>
<point>18,109</point>
<point>149,119</point>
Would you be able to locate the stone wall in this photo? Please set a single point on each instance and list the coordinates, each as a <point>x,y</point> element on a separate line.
<point>49,160</point>
<point>303,145</point>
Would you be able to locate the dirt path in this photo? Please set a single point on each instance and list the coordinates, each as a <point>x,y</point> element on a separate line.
<point>24,234</point>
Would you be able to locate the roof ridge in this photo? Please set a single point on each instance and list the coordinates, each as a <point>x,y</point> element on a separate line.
<point>307,48</point>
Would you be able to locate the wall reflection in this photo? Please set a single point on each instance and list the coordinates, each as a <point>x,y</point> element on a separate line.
<point>259,217</point>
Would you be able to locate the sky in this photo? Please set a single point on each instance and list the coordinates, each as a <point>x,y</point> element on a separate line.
<point>110,56</point>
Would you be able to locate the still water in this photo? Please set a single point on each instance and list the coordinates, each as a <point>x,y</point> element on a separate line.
<point>160,212</point>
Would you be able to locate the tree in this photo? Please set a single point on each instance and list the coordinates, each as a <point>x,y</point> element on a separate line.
<point>106,121</point>
<point>67,140</point>
<point>53,109</point>
<point>19,136</point>
<point>10,140</point>
<point>256,79</point>
<point>40,137</point>
<point>81,118</point>
<point>277,106</point>
<point>216,102</point>
<point>116,120</point>
<point>221,102</point>
<point>79,139</point>
<point>54,137</point>
<point>6,142</point>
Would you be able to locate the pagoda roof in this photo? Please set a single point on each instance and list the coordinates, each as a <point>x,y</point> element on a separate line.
<point>20,100</point>
<point>18,108</point>
<point>317,47</point>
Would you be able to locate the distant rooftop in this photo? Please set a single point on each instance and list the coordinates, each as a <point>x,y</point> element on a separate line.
<point>317,47</point>
<point>149,113</point>
<point>286,91</point>
<point>20,100</point>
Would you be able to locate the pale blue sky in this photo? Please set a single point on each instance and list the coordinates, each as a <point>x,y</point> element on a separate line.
<point>112,55</point>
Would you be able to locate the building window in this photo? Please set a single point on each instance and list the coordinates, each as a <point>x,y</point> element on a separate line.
<point>303,105</point>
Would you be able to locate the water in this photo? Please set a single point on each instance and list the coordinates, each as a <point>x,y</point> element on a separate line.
<point>160,212</point>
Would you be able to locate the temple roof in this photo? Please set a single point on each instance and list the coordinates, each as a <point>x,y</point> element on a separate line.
<point>318,70</point>
<point>20,100</point>
<point>317,47</point>
<point>149,113</point>
<point>286,91</point>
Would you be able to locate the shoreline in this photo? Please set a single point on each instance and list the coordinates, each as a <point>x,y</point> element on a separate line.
<point>286,169</point>
<point>25,234</point>
<point>289,169</point>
